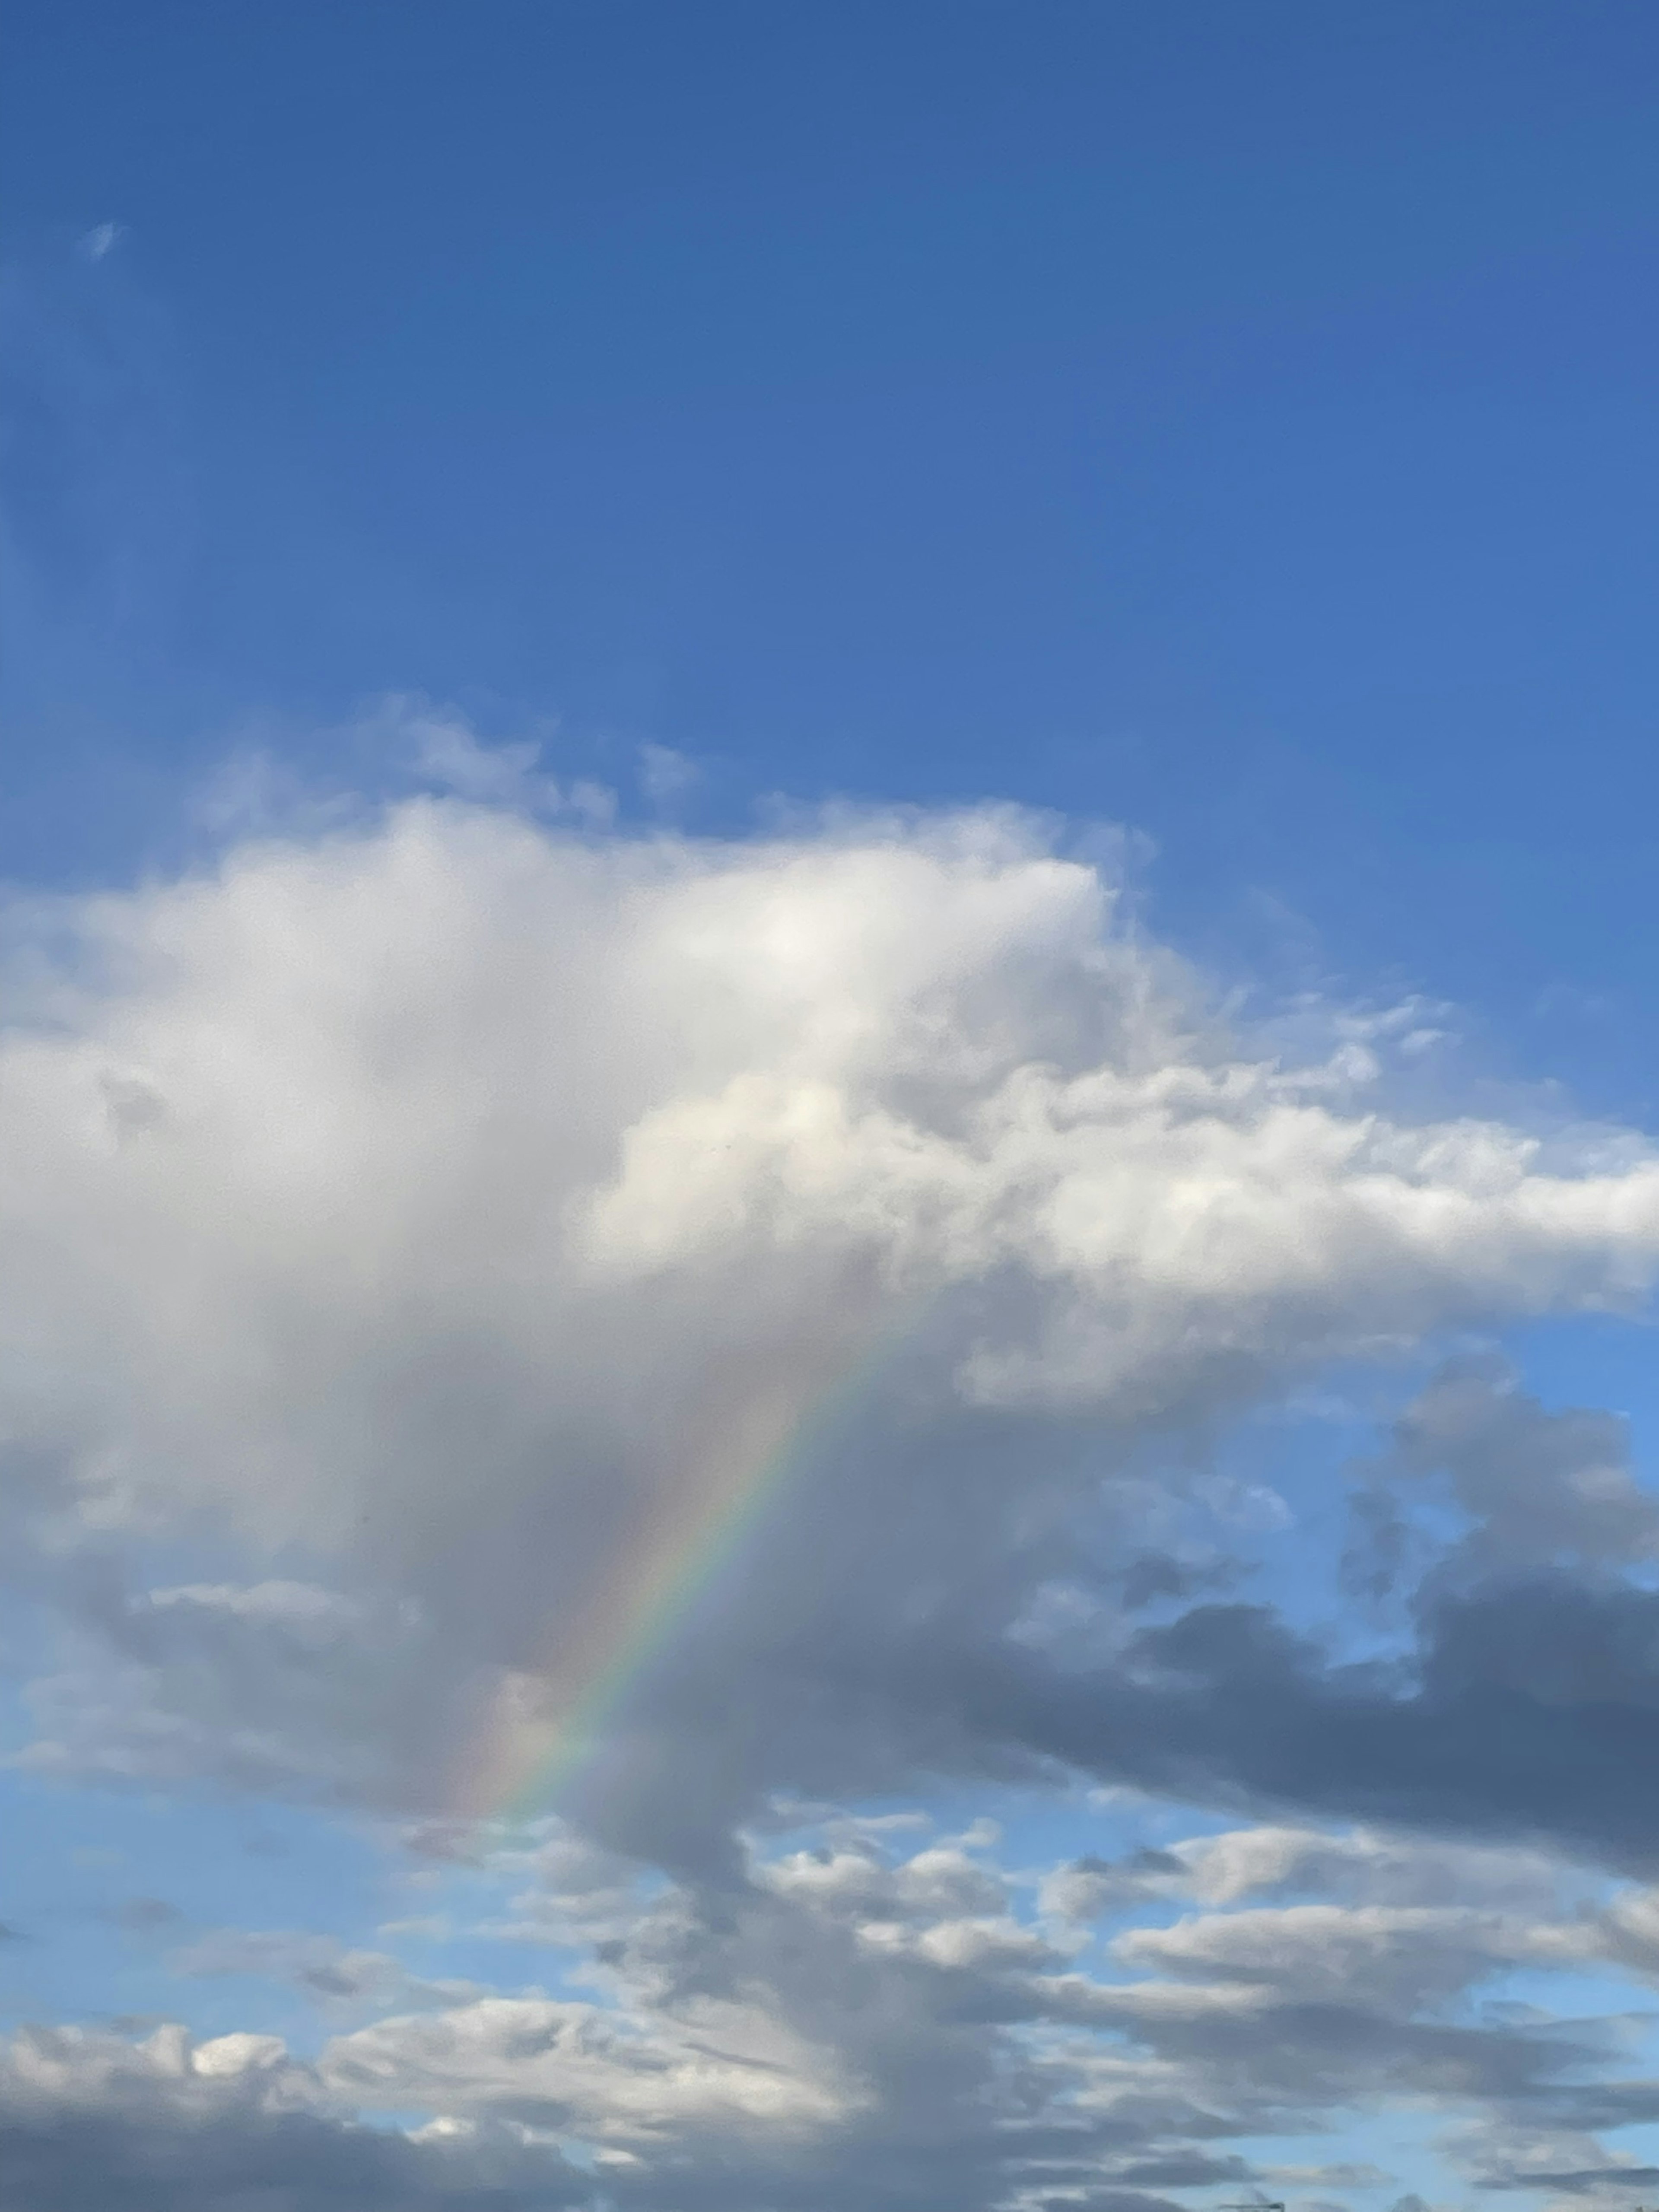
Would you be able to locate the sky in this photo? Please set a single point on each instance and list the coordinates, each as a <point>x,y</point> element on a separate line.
<point>829,1145</point>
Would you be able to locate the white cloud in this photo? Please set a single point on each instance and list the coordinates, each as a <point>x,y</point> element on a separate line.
<point>88,2067</point>
<point>574,2066</point>
<point>467,1205</point>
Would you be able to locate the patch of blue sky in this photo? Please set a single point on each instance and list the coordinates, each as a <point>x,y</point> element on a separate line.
<point>103,1885</point>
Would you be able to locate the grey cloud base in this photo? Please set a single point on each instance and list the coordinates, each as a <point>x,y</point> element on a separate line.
<point>67,2163</point>
<point>1531,1714</point>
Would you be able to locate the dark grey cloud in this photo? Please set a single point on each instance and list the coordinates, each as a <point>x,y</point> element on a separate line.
<point>1522,1700</point>
<point>1531,1710</point>
<point>1525,1702</point>
<point>74,2161</point>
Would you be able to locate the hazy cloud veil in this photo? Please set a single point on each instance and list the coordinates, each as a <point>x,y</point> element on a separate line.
<point>419,1210</point>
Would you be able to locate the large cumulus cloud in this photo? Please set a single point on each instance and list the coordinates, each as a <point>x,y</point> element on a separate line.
<point>433,1220</point>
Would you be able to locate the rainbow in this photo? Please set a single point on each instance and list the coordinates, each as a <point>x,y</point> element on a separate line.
<point>546,1726</point>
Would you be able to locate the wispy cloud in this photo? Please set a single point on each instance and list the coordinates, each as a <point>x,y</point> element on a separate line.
<point>102,239</point>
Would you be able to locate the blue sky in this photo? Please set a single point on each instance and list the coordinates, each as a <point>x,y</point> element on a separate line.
<point>700,698</point>
<point>1231,420</point>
